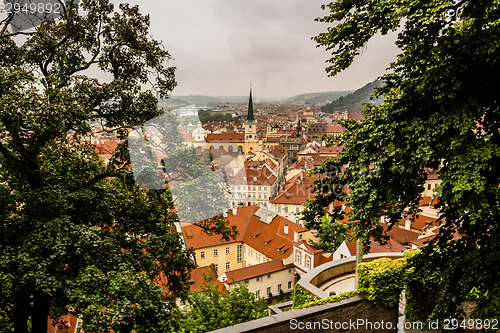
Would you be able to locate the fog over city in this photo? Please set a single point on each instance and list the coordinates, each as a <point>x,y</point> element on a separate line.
<point>221,46</point>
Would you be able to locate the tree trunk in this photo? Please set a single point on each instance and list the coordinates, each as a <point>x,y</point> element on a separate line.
<point>40,315</point>
<point>21,313</point>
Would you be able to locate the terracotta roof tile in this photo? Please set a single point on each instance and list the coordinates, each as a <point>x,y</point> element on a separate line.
<point>256,270</point>
<point>271,239</point>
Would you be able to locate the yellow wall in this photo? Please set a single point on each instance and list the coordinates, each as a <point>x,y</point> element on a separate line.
<point>222,257</point>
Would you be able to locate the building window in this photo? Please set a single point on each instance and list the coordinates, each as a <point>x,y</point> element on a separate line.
<point>268,291</point>
<point>239,253</point>
<point>289,284</point>
<point>308,262</point>
<point>257,294</point>
<point>297,209</point>
<point>428,186</point>
<point>258,257</point>
<point>279,287</point>
<point>227,250</point>
<point>298,258</point>
<point>216,267</point>
<point>202,254</point>
<point>228,266</point>
<point>216,252</point>
<point>258,279</point>
<point>279,209</point>
<point>251,253</point>
<point>286,209</point>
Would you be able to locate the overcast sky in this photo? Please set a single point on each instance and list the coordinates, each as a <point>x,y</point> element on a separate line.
<point>221,46</point>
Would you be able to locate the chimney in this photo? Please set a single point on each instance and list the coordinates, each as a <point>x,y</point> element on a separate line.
<point>235,211</point>
<point>408,223</point>
<point>295,236</point>
<point>285,229</point>
<point>269,218</point>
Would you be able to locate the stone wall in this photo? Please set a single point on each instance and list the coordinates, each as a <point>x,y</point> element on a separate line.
<point>354,314</point>
<point>312,281</point>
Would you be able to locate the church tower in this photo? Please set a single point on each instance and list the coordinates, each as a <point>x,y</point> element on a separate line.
<point>251,137</point>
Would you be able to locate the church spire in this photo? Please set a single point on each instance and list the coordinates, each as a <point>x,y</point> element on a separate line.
<point>250,117</point>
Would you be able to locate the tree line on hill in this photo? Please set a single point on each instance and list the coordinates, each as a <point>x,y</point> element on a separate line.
<point>354,100</point>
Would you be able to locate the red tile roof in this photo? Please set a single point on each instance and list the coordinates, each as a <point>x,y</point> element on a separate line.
<point>297,191</point>
<point>226,137</point>
<point>256,270</point>
<point>202,276</point>
<point>335,129</point>
<point>64,324</point>
<point>420,222</point>
<point>330,150</point>
<point>254,174</point>
<point>269,239</point>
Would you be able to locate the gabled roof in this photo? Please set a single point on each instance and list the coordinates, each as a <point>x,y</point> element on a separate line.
<point>231,137</point>
<point>335,129</point>
<point>330,150</point>
<point>64,324</point>
<point>255,270</point>
<point>202,276</point>
<point>296,191</point>
<point>268,238</point>
<point>420,222</point>
<point>254,174</point>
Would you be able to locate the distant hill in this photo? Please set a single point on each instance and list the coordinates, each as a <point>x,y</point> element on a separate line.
<point>212,101</point>
<point>353,100</point>
<point>200,100</point>
<point>316,98</point>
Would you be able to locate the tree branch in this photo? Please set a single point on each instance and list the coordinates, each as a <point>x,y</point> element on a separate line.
<point>7,153</point>
<point>6,21</point>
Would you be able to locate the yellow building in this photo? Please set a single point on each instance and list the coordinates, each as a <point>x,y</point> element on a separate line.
<point>262,236</point>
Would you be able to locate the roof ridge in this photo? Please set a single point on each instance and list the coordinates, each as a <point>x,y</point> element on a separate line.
<point>248,222</point>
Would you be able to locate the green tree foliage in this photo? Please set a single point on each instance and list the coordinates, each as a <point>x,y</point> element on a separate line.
<point>206,117</point>
<point>300,297</point>
<point>441,111</point>
<point>331,234</point>
<point>77,235</point>
<point>354,100</point>
<point>210,310</point>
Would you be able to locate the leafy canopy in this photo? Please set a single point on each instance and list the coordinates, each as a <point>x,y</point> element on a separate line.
<point>441,111</point>
<point>77,235</point>
<point>209,309</point>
